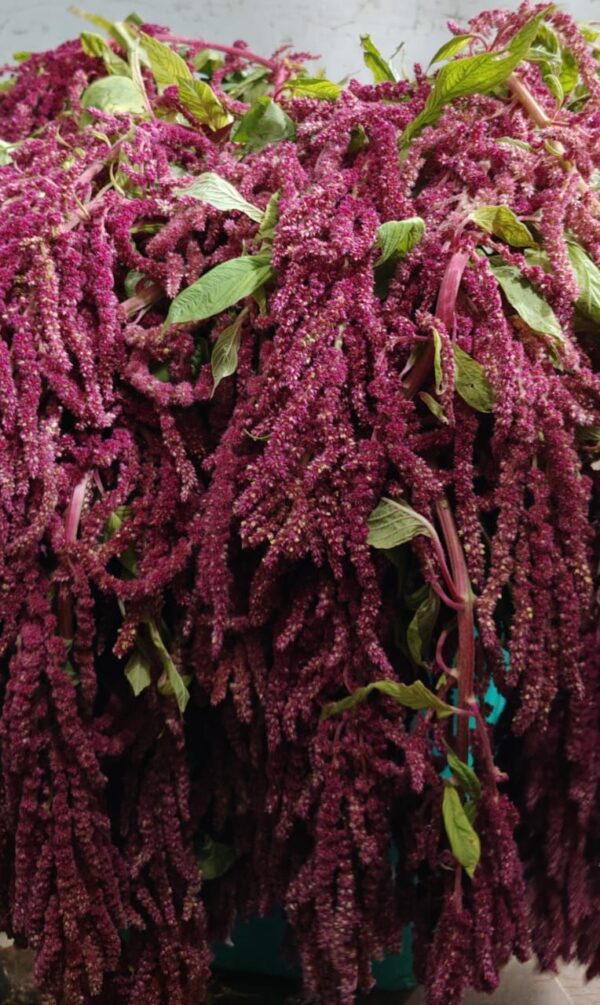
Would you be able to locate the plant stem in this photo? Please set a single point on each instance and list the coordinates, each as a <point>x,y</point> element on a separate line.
<point>445,308</point>
<point>230,50</point>
<point>522,93</point>
<point>465,621</point>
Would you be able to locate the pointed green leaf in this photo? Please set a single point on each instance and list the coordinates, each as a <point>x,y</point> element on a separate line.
<point>502,222</point>
<point>415,696</point>
<point>173,683</point>
<point>221,194</point>
<point>137,672</point>
<point>398,237</point>
<point>224,357</point>
<point>266,230</point>
<point>529,305</point>
<point>220,288</point>
<point>167,66</point>
<point>420,629</point>
<point>451,48</point>
<point>265,123</point>
<point>393,523</point>
<point>569,71</point>
<point>374,61</point>
<point>115,95</point>
<point>438,371</point>
<point>96,46</point>
<point>587,275</point>
<point>314,87</point>
<point>202,102</point>
<point>471,381</point>
<point>464,841</point>
<point>465,775</point>
<point>473,75</point>
<point>434,407</point>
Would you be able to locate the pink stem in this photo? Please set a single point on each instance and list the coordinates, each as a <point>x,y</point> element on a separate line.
<point>465,620</point>
<point>439,654</point>
<point>73,514</point>
<point>495,774</point>
<point>522,93</point>
<point>445,308</point>
<point>230,50</point>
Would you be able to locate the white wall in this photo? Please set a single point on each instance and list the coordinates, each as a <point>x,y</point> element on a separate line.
<point>330,28</point>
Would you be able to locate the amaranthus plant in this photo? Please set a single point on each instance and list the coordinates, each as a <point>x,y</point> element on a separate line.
<point>300,434</point>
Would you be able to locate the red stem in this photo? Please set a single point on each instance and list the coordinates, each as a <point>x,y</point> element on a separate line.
<point>522,93</point>
<point>465,621</point>
<point>230,50</point>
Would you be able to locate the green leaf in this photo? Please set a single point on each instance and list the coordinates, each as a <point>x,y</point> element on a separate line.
<point>219,288</point>
<point>137,672</point>
<point>555,87</point>
<point>415,696</point>
<point>202,102</point>
<point>502,222</point>
<point>72,673</point>
<point>22,56</point>
<point>471,381</point>
<point>6,150</point>
<point>215,859</point>
<point>224,357</point>
<point>569,71</point>
<point>173,683</point>
<point>438,371</point>
<point>464,841</point>
<point>119,30</point>
<point>166,65</point>
<point>207,61</point>
<point>96,46</point>
<point>451,48</point>
<point>132,280</point>
<point>587,275</point>
<point>473,75</point>
<point>393,523</point>
<point>116,95</point>
<point>266,230</point>
<point>420,629</point>
<point>221,194</point>
<point>374,61</point>
<point>314,87</point>
<point>529,305</point>
<point>465,775</point>
<point>434,407</point>
<point>398,237</point>
<point>264,123</point>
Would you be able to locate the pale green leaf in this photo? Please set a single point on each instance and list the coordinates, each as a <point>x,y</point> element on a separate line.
<point>96,46</point>
<point>438,371</point>
<point>221,194</point>
<point>6,150</point>
<point>398,237</point>
<point>393,523</point>
<point>314,87</point>
<point>465,775</point>
<point>173,683</point>
<point>265,123</point>
<point>116,95</point>
<point>528,303</point>
<point>420,629</point>
<point>473,75</point>
<point>132,280</point>
<point>167,66</point>
<point>471,381</point>
<point>415,696</point>
<point>137,672</point>
<point>119,30</point>
<point>464,842</point>
<point>374,61</point>
<point>22,56</point>
<point>266,230</point>
<point>587,275</point>
<point>502,222</point>
<point>434,407</point>
<point>569,71</point>
<point>215,858</point>
<point>219,288</point>
<point>509,141</point>
<point>202,102</point>
<point>224,357</point>
<point>451,48</point>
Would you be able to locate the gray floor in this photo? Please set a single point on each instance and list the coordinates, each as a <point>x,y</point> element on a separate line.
<point>521,985</point>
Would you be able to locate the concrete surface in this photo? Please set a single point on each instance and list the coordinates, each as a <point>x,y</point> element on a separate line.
<point>330,27</point>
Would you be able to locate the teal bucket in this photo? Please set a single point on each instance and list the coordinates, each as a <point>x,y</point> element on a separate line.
<point>257,946</point>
